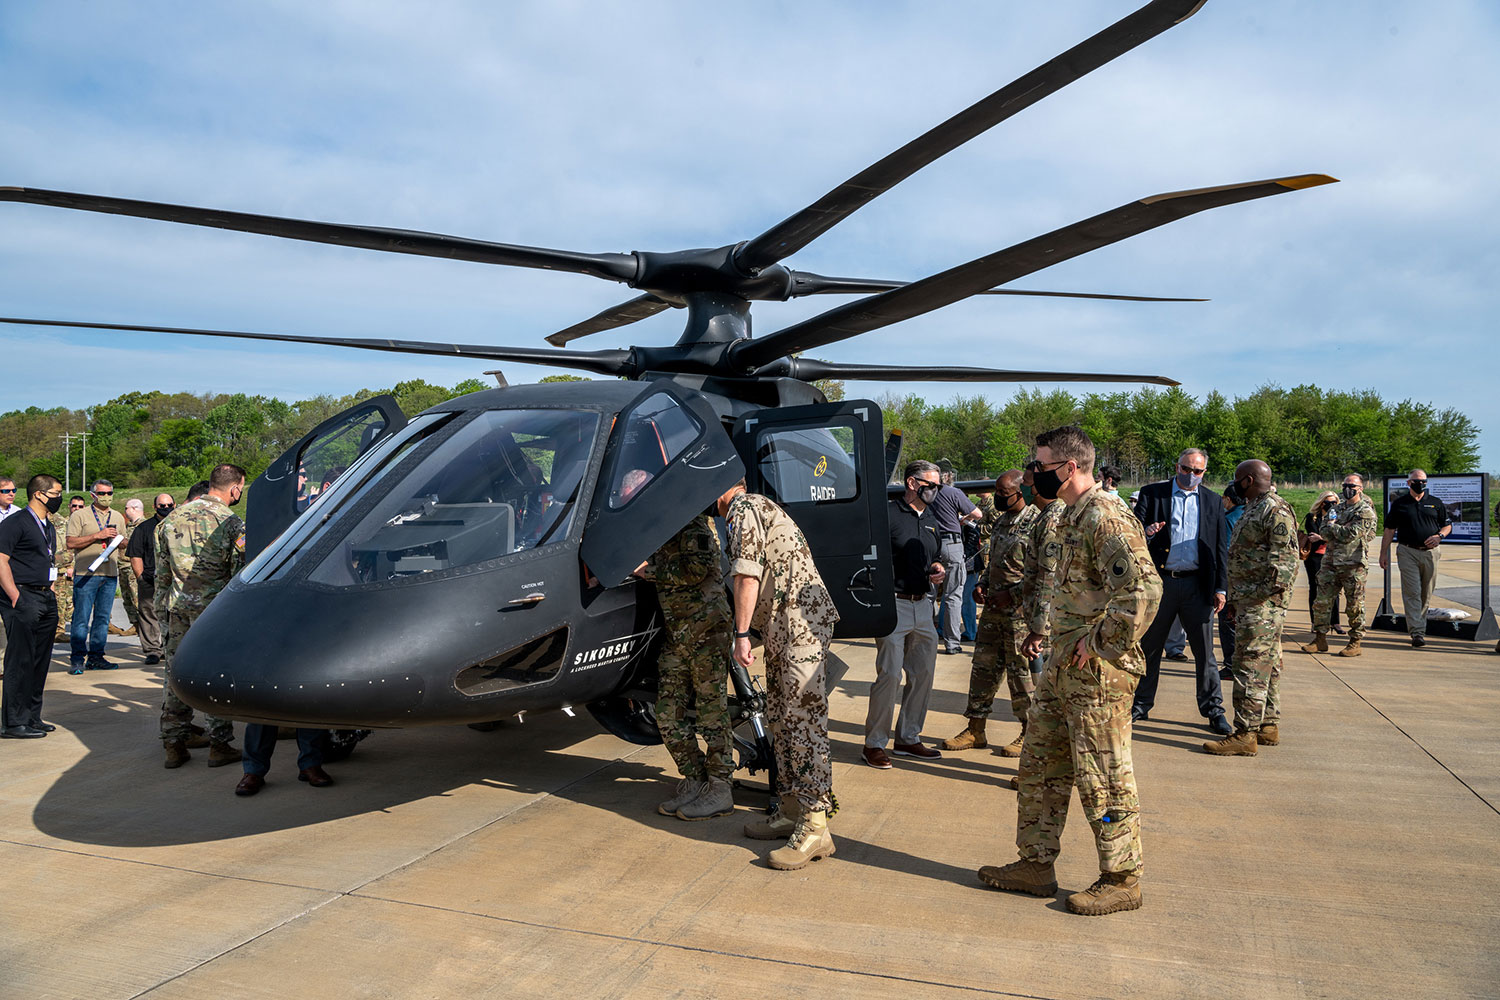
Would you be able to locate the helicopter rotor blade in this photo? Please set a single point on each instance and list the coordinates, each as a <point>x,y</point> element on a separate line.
<point>611,266</point>
<point>809,370</point>
<point>1004,266</point>
<point>796,232</point>
<point>610,362</point>
<point>639,308</point>
<point>808,283</point>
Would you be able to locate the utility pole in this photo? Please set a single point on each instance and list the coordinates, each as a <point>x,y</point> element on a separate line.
<point>67,462</point>
<point>85,475</point>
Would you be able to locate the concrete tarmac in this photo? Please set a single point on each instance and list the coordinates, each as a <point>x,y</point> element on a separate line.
<point>1356,859</point>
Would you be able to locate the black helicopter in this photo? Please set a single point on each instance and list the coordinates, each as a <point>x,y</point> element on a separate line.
<point>474,562</point>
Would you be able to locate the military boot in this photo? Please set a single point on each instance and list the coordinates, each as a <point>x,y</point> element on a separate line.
<point>220,754</point>
<point>1031,877</point>
<point>1013,748</point>
<point>1352,649</point>
<point>1241,744</point>
<point>1268,735</point>
<point>715,798</point>
<point>1015,782</point>
<point>177,754</point>
<point>687,791</point>
<point>197,741</point>
<point>972,738</point>
<point>1319,643</point>
<point>809,842</point>
<point>779,824</point>
<point>1115,891</point>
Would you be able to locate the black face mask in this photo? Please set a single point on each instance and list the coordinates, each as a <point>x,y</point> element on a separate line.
<point>1417,486</point>
<point>1350,492</point>
<point>54,504</point>
<point>927,492</point>
<point>1046,483</point>
<point>162,510</point>
<point>1013,503</point>
<point>1235,493</point>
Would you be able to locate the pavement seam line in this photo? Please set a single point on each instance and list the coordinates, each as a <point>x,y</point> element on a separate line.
<point>1403,732</point>
<point>699,949</point>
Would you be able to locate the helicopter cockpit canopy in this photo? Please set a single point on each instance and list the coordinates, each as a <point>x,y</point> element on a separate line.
<point>450,490</point>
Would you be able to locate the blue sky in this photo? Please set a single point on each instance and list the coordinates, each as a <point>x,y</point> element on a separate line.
<point>661,126</point>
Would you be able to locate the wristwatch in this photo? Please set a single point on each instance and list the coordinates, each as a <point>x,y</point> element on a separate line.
<point>742,635</point>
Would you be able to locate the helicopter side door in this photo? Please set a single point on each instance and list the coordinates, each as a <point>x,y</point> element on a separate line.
<point>667,460</point>
<point>825,464</point>
<point>293,482</point>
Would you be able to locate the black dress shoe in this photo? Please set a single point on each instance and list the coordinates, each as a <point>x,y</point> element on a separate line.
<point>315,776</point>
<point>1136,715</point>
<point>22,733</point>
<point>250,784</point>
<point>1226,674</point>
<point>1177,656</point>
<point>45,727</point>
<point>1219,725</point>
<point>1418,641</point>
<point>152,658</point>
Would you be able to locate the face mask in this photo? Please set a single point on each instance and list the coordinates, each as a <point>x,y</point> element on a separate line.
<point>163,510</point>
<point>1012,503</point>
<point>237,498</point>
<point>1026,494</point>
<point>1417,485</point>
<point>928,493</point>
<point>1235,493</point>
<point>1350,492</point>
<point>1187,481</point>
<point>54,504</point>
<point>1047,483</point>
<point>104,502</point>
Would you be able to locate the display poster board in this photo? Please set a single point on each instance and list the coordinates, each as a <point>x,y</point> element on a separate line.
<point>1464,496</point>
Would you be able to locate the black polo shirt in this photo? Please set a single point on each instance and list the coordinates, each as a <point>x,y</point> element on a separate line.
<point>1416,520</point>
<point>30,547</point>
<point>914,546</point>
<point>142,546</point>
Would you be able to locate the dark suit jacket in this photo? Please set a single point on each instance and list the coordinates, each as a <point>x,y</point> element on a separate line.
<point>1155,504</point>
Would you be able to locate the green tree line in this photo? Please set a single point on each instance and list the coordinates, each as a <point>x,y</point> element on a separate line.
<point>1307,434</point>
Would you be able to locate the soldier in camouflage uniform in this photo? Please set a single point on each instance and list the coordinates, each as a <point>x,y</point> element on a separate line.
<point>63,586</point>
<point>1078,732</point>
<point>777,590</point>
<point>134,515</point>
<point>1347,530</point>
<point>1002,623</point>
<point>1262,573</point>
<point>694,669</point>
<point>199,548</point>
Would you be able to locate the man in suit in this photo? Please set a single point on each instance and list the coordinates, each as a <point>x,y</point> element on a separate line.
<point>1188,539</point>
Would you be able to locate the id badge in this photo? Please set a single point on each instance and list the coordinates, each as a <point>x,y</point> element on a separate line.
<point>52,575</point>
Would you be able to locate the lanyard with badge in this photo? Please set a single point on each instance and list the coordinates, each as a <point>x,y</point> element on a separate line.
<point>50,546</point>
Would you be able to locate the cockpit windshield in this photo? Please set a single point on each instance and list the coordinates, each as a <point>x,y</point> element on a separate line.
<point>503,482</point>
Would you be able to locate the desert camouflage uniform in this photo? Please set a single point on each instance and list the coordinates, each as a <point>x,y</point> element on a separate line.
<point>694,664</point>
<point>1343,565</point>
<point>795,616</point>
<point>199,548</point>
<point>1078,730</point>
<point>63,560</point>
<point>1002,624</point>
<point>1041,565</point>
<point>1262,571</point>
<point>128,581</point>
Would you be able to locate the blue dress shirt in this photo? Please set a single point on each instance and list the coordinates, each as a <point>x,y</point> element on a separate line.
<point>1184,552</point>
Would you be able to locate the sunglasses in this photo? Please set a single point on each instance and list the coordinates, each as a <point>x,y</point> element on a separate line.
<point>1037,465</point>
<point>104,493</point>
<point>11,490</point>
<point>1192,471</point>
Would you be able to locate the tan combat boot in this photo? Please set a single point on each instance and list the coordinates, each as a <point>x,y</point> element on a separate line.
<point>115,629</point>
<point>1241,744</point>
<point>715,798</point>
<point>1319,643</point>
<point>196,741</point>
<point>177,754</point>
<point>779,824</point>
<point>1352,649</point>
<point>809,842</point>
<point>972,738</point>
<point>687,791</point>
<point>1031,877</point>
<point>220,754</point>
<point>1268,735</point>
<point>1115,891</point>
<point>1015,782</point>
<point>1013,748</point>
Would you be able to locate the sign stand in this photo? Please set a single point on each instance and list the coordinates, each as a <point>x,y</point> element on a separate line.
<point>1459,494</point>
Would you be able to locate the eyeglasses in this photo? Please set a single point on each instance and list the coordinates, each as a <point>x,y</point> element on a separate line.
<point>104,493</point>
<point>11,490</point>
<point>75,505</point>
<point>927,482</point>
<point>1192,471</point>
<point>1037,465</point>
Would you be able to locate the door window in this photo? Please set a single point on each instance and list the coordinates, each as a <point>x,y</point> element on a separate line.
<point>808,464</point>
<point>656,432</point>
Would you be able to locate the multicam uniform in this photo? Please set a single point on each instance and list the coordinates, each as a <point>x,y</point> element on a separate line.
<point>1042,556</point>
<point>199,548</point>
<point>795,616</point>
<point>694,663</point>
<point>1262,572</point>
<point>1078,731</point>
<point>1002,624</point>
<point>1343,568</point>
<point>128,581</point>
<point>63,587</point>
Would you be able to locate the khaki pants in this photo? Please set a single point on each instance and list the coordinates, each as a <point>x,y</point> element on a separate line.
<point>1418,576</point>
<point>147,624</point>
